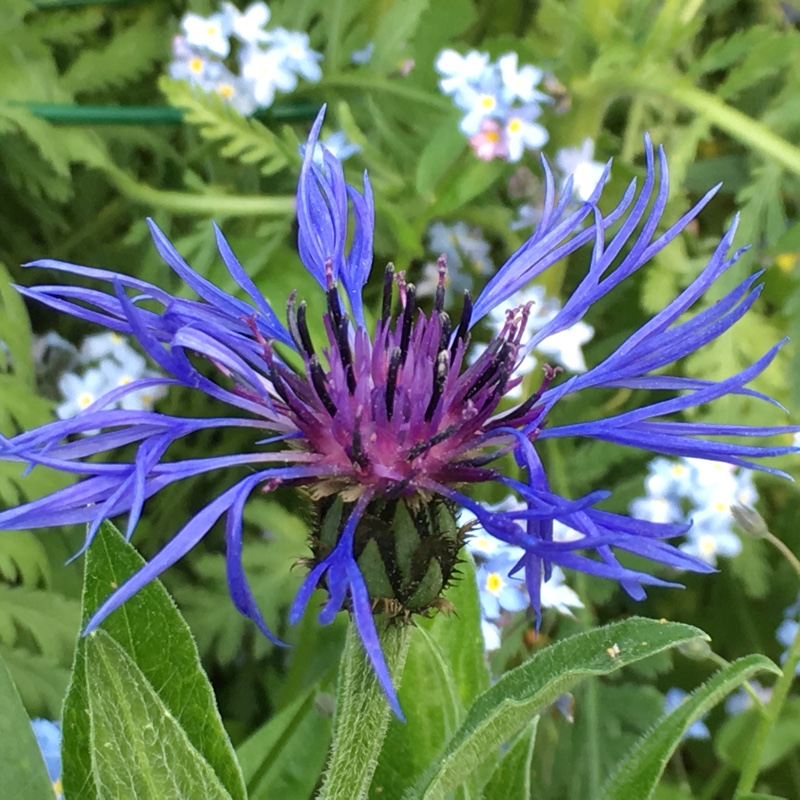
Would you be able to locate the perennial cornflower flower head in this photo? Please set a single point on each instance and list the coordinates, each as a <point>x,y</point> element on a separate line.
<point>386,424</point>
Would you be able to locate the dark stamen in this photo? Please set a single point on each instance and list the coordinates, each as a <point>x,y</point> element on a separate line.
<point>491,371</point>
<point>391,379</point>
<point>291,319</point>
<point>302,328</point>
<point>439,379</point>
<point>444,322</point>
<point>438,303</point>
<point>343,346</point>
<point>334,307</point>
<point>356,451</point>
<point>318,379</point>
<point>388,284</point>
<point>463,325</point>
<point>421,447</point>
<point>408,318</point>
<point>517,412</point>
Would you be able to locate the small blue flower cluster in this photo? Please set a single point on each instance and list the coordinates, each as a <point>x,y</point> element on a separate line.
<point>500,102</point>
<point>104,366</point>
<point>501,593</point>
<point>48,737</point>
<point>700,492</point>
<point>268,61</point>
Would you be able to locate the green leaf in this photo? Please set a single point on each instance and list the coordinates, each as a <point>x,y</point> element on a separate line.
<point>237,137</point>
<point>639,773</point>
<point>445,671</point>
<point>397,26</point>
<point>153,651</point>
<point>137,746</point>
<point>444,147</point>
<point>123,59</point>
<point>759,796</point>
<point>285,757</point>
<point>734,738</point>
<point>507,706</point>
<point>21,764</point>
<point>15,330</point>
<point>511,779</point>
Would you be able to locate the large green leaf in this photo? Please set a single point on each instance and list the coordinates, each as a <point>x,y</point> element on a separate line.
<point>500,712</point>
<point>638,774</point>
<point>153,654</point>
<point>138,748</point>
<point>511,779</point>
<point>21,765</point>
<point>445,671</point>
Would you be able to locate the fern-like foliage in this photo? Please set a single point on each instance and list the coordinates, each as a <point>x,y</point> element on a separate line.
<point>239,138</point>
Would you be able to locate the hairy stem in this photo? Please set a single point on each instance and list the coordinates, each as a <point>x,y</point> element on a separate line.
<point>362,714</point>
<point>772,710</point>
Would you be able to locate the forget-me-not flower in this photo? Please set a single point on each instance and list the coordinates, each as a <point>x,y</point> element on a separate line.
<point>386,424</point>
<point>48,737</point>
<point>208,33</point>
<point>577,163</point>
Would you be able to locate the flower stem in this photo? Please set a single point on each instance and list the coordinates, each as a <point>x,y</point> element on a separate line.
<point>199,204</point>
<point>772,711</point>
<point>737,124</point>
<point>362,714</point>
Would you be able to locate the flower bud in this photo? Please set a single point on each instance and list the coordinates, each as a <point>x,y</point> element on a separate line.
<point>406,551</point>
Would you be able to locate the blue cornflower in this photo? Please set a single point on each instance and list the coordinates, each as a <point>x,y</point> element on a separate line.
<point>385,424</point>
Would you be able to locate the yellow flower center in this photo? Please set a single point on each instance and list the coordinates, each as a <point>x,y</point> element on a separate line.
<point>494,583</point>
<point>85,399</point>
<point>678,470</point>
<point>212,30</point>
<point>124,380</point>
<point>707,545</point>
<point>493,137</point>
<point>196,64</point>
<point>226,91</point>
<point>786,261</point>
<point>515,125</point>
<point>487,102</point>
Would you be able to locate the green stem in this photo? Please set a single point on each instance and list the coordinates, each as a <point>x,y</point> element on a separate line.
<point>385,86</point>
<point>71,114</point>
<point>708,106</point>
<point>198,204</point>
<point>772,710</point>
<point>362,714</point>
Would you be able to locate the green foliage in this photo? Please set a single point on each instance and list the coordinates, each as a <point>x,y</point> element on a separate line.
<point>501,711</point>
<point>21,765</point>
<point>143,662</point>
<point>237,137</point>
<point>638,774</point>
